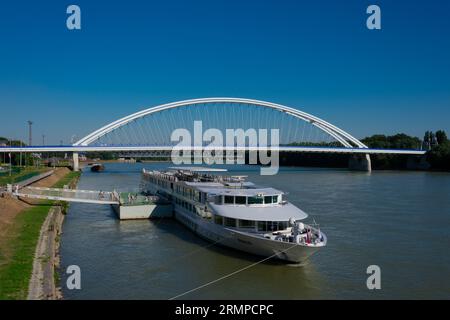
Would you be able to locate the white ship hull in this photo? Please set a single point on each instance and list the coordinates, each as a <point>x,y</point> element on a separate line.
<point>253,244</point>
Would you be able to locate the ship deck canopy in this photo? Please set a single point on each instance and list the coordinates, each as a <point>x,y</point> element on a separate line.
<point>281,212</point>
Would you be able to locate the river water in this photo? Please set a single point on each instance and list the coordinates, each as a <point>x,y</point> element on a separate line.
<point>399,221</point>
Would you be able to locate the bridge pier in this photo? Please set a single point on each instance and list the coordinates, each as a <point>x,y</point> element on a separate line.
<point>360,162</point>
<point>76,162</point>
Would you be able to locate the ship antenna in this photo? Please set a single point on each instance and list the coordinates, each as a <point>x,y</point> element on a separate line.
<point>317,225</point>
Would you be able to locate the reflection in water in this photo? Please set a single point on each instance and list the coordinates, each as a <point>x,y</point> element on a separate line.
<point>397,220</point>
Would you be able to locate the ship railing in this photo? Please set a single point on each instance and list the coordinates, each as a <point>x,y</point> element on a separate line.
<point>115,196</point>
<point>310,236</point>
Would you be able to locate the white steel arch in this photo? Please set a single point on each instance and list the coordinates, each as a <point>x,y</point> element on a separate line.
<point>337,133</point>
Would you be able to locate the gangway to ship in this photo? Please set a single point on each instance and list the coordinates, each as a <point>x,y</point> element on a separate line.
<point>126,204</point>
<point>70,195</point>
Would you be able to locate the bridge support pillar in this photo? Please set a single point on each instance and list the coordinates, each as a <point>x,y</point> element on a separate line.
<point>76,162</point>
<point>360,162</point>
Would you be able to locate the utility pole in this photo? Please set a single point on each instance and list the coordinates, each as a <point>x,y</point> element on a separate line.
<point>30,141</point>
<point>43,144</point>
<point>20,162</point>
<point>10,162</point>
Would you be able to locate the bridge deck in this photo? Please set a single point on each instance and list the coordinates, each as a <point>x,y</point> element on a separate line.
<point>70,195</point>
<point>145,148</point>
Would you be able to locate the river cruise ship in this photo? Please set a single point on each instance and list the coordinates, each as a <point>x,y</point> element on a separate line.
<point>230,211</point>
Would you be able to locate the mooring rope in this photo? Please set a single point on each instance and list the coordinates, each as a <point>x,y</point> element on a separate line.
<point>230,274</point>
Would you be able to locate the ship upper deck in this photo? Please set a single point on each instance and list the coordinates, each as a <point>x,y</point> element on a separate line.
<point>213,183</point>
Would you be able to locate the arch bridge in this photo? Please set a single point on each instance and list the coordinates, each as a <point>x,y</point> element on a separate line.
<point>151,130</point>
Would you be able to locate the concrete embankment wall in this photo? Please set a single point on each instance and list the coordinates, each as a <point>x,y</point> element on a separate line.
<point>46,260</point>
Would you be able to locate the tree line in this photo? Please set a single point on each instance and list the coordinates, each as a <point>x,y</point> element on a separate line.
<point>438,154</point>
<point>436,144</point>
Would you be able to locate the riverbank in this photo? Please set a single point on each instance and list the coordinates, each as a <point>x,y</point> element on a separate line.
<point>43,283</point>
<point>22,226</point>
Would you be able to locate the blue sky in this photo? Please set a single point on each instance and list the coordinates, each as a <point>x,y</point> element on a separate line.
<point>317,56</point>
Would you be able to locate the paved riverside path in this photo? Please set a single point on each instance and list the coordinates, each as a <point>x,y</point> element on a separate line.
<point>70,195</point>
<point>33,179</point>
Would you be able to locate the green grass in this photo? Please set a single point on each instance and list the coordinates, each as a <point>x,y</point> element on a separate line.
<point>20,174</point>
<point>16,273</point>
<point>67,179</point>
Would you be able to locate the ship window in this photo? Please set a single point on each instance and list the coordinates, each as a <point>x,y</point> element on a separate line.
<point>247,224</point>
<point>262,226</point>
<point>230,222</point>
<point>268,199</point>
<point>240,200</point>
<point>268,226</point>
<point>282,225</point>
<point>275,199</point>
<point>255,200</point>
<point>229,199</point>
<point>218,219</point>
<point>272,225</point>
